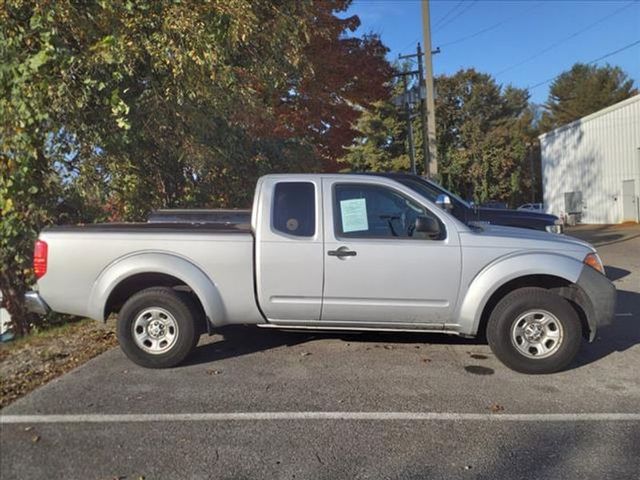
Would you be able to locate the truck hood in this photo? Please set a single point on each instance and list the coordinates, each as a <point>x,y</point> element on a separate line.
<point>497,214</point>
<point>526,238</point>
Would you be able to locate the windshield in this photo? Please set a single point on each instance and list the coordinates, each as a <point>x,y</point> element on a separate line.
<point>451,194</point>
<point>431,191</point>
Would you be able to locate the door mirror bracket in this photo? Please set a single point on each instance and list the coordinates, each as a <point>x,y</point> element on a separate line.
<point>428,225</point>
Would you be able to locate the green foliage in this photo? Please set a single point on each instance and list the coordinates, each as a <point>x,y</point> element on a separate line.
<point>583,90</point>
<point>381,142</point>
<point>485,137</point>
<point>26,186</point>
<point>110,109</point>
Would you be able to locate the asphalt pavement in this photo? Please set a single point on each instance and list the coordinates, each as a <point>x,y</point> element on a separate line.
<point>254,403</point>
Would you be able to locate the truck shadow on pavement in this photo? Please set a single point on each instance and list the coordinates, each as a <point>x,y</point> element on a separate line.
<point>621,335</point>
<point>239,340</point>
<point>244,340</point>
<point>615,273</point>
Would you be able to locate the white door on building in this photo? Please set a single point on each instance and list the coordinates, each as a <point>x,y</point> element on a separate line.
<point>629,201</point>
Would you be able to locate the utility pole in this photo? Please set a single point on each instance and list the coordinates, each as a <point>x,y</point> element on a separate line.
<point>407,109</point>
<point>405,101</point>
<point>423,113</point>
<point>431,160</point>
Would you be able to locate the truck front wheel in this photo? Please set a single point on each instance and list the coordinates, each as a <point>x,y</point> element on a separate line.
<point>157,327</point>
<point>533,330</point>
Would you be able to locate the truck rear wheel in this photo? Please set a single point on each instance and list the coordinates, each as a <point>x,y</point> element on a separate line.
<point>157,327</point>
<point>533,330</point>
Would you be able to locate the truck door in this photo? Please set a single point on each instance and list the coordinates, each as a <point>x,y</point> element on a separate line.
<point>378,269</point>
<point>289,249</point>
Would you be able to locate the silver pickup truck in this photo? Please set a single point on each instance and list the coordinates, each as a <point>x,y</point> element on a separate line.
<point>329,252</point>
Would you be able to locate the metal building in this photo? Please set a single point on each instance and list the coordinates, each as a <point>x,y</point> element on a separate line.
<point>591,167</point>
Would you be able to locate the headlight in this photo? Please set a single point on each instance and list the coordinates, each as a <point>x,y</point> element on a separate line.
<point>593,260</point>
<point>557,228</point>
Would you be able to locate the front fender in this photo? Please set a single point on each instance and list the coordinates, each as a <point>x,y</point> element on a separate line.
<point>157,262</point>
<point>504,270</point>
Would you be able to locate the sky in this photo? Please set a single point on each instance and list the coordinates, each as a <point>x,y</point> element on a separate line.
<point>523,43</point>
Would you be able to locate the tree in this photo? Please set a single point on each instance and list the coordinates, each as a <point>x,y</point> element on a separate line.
<point>583,90</point>
<point>484,134</point>
<point>485,138</point>
<point>110,109</point>
<point>381,142</point>
<point>348,74</point>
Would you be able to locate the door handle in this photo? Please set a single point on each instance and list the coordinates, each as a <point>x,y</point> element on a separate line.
<point>342,252</point>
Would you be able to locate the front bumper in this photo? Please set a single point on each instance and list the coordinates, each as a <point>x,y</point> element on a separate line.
<point>600,302</point>
<point>35,303</point>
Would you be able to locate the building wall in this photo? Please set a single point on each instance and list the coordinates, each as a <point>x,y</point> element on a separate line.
<point>594,155</point>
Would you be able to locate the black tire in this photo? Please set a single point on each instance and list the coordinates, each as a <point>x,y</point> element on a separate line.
<point>508,311</point>
<point>184,313</point>
<point>198,316</point>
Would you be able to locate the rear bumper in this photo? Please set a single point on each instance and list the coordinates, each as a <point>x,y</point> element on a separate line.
<point>601,295</point>
<point>35,303</point>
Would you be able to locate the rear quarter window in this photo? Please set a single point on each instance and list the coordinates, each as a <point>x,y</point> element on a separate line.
<point>294,209</point>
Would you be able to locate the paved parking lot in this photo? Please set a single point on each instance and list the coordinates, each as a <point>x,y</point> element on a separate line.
<point>346,406</point>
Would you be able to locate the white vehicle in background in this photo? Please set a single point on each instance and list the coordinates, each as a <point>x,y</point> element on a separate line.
<point>533,207</point>
<point>5,319</point>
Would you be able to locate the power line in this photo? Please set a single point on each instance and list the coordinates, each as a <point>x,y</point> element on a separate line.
<point>443,18</point>
<point>455,17</point>
<point>565,39</point>
<point>449,12</point>
<point>491,27</point>
<point>606,55</point>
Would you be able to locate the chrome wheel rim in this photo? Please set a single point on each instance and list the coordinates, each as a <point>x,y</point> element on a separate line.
<point>155,330</point>
<point>537,334</point>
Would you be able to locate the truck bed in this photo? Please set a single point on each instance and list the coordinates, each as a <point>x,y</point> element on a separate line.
<point>83,260</point>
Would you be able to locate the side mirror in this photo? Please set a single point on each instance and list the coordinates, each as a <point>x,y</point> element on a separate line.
<point>444,202</point>
<point>428,225</point>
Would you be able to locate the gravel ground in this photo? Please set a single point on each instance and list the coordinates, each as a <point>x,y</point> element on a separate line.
<point>27,363</point>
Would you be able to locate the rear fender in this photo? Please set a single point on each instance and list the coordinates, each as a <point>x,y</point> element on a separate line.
<point>157,262</point>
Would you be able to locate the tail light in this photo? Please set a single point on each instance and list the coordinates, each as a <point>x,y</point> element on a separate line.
<point>40,258</point>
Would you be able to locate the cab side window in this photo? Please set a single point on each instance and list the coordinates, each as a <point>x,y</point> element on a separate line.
<point>294,209</point>
<point>371,211</point>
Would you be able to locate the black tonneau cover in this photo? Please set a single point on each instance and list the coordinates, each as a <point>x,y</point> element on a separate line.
<point>154,227</point>
<point>196,215</point>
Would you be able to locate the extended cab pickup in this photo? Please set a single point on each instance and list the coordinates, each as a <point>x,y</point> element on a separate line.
<point>329,251</point>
